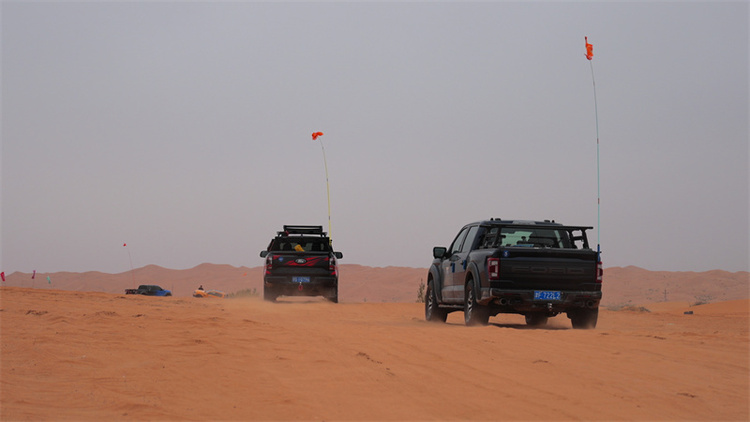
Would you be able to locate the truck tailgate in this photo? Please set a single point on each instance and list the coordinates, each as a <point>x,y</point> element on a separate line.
<point>545,269</point>
<point>302,262</point>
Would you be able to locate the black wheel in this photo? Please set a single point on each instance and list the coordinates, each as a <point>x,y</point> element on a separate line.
<point>584,319</point>
<point>536,320</point>
<point>474,313</point>
<point>269,294</point>
<point>432,312</point>
<point>334,295</point>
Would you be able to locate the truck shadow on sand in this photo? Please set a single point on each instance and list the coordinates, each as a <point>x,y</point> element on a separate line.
<point>514,325</point>
<point>518,326</point>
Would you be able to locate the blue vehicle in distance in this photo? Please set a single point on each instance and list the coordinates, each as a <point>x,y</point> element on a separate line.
<point>148,290</point>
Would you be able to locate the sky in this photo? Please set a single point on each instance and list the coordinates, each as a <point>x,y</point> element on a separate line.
<point>183,129</point>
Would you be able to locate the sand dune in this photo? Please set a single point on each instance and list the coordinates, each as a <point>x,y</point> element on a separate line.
<point>635,286</point>
<point>70,355</point>
<point>622,286</point>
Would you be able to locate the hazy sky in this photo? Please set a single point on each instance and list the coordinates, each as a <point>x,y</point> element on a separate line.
<point>183,128</point>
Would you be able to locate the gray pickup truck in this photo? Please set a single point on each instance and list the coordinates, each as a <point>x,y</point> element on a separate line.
<point>535,268</point>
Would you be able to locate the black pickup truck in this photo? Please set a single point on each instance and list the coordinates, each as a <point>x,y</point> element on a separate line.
<point>300,261</point>
<point>535,268</point>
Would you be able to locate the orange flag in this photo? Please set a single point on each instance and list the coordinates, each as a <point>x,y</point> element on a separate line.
<point>589,49</point>
<point>316,134</point>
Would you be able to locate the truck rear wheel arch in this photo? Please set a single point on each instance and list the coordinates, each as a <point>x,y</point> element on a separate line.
<point>473,276</point>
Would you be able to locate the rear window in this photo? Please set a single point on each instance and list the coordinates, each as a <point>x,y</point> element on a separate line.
<point>300,244</point>
<point>533,237</point>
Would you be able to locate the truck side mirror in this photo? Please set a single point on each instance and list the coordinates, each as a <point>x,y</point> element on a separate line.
<point>338,255</point>
<point>263,254</point>
<point>438,252</point>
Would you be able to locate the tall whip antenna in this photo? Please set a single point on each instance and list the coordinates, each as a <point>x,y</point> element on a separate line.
<point>590,56</point>
<point>132,273</point>
<point>328,188</point>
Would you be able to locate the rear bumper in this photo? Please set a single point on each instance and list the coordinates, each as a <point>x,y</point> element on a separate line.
<point>318,285</point>
<point>522,301</point>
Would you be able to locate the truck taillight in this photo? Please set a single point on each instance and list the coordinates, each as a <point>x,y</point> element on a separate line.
<point>493,269</point>
<point>269,263</point>
<point>599,271</point>
<point>332,265</point>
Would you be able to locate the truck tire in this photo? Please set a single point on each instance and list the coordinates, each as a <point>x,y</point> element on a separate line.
<point>536,320</point>
<point>433,312</point>
<point>334,295</point>
<point>584,319</point>
<point>269,294</point>
<point>474,313</point>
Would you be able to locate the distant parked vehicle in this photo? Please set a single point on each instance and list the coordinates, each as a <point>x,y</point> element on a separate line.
<point>209,293</point>
<point>148,290</point>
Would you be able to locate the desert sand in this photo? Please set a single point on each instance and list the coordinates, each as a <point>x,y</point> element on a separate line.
<point>73,355</point>
<point>622,285</point>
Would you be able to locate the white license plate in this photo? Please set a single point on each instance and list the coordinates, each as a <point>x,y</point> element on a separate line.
<point>546,295</point>
<point>300,279</point>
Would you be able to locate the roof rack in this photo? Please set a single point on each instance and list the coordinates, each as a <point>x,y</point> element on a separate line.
<point>522,221</point>
<point>288,229</point>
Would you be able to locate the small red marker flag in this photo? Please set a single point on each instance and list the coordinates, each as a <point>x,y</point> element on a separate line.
<point>589,49</point>
<point>2,275</point>
<point>316,134</point>
<point>124,244</point>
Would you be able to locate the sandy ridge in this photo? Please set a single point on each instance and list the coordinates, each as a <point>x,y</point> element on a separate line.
<point>622,286</point>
